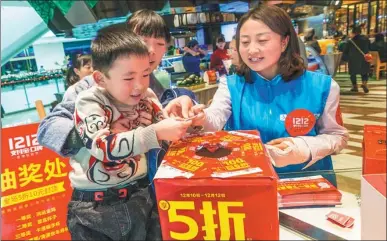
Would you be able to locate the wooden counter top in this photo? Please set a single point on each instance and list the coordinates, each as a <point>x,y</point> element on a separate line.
<point>208,87</point>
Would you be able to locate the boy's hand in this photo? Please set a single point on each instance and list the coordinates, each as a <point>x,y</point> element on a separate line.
<point>145,118</point>
<point>123,124</point>
<point>120,125</point>
<point>171,129</point>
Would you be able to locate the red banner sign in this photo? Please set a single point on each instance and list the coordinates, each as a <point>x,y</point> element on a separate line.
<point>35,188</point>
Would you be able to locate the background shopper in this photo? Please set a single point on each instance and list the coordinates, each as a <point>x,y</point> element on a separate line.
<point>219,55</point>
<point>80,67</point>
<point>192,57</point>
<point>357,65</point>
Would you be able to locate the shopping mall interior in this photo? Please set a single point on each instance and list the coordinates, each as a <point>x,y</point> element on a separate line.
<point>41,40</point>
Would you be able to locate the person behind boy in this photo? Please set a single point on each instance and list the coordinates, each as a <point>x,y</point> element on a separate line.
<point>111,197</point>
<point>56,131</point>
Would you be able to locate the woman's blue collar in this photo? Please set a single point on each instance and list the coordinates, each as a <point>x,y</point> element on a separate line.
<point>260,80</point>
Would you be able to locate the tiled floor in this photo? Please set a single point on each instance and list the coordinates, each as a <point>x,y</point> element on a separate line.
<point>358,110</point>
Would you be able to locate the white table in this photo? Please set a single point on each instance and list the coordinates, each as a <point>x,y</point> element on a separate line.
<point>317,218</point>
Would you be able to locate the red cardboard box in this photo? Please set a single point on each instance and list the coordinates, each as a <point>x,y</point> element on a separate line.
<point>218,186</point>
<point>374,149</point>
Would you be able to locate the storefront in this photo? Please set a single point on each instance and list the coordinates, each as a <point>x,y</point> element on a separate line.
<point>371,15</point>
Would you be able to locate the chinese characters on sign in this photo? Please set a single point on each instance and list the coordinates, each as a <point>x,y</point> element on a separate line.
<point>32,172</point>
<point>35,188</point>
<point>210,223</point>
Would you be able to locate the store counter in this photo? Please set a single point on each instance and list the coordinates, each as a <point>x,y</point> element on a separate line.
<point>206,94</point>
<point>307,223</point>
<point>363,199</point>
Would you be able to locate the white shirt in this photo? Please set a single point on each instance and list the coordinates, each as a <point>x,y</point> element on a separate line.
<point>331,138</point>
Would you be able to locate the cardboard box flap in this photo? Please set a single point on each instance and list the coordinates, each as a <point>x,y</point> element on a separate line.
<point>234,154</point>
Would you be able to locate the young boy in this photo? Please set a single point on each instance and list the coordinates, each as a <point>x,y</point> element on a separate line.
<point>57,132</point>
<point>111,197</point>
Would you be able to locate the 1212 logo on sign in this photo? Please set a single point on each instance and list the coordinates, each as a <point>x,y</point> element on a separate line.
<point>24,145</point>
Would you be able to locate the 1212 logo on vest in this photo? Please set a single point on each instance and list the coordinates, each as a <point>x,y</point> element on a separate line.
<point>299,122</point>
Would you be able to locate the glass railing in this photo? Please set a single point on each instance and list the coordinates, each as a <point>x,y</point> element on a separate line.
<point>18,98</point>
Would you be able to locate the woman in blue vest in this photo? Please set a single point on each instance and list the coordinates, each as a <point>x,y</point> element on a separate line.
<point>295,111</point>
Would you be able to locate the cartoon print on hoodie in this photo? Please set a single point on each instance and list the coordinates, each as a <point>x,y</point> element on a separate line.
<point>118,164</point>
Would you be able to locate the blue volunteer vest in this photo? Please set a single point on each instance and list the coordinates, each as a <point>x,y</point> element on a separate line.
<point>263,106</point>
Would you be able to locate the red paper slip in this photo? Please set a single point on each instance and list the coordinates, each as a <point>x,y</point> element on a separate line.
<point>341,219</point>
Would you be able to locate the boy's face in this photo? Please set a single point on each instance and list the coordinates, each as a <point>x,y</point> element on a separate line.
<point>128,79</point>
<point>157,48</point>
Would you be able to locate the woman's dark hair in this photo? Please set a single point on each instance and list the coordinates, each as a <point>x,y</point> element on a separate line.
<point>356,30</point>
<point>379,37</point>
<point>192,43</point>
<point>77,62</point>
<point>148,23</point>
<point>291,65</point>
<point>220,39</point>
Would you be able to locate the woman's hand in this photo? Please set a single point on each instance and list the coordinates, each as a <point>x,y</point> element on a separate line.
<point>287,151</point>
<point>183,108</point>
<point>179,107</point>
<point>199,115</point>
<point>280,143</point>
